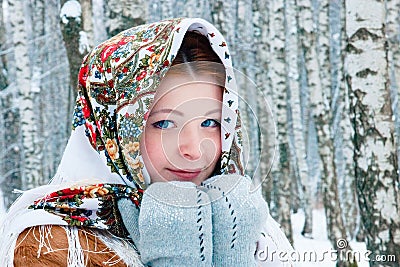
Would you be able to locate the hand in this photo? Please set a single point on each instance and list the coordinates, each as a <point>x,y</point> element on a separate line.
<point>130,217</point>
<point>237,217</point>
<point>174,225</point>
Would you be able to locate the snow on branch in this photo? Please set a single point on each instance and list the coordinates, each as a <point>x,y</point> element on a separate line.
<point>71,9</point>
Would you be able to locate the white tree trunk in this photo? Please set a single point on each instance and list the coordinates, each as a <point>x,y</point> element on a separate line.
<point>292,66</point>
<point>71,27</point>
<point>223,17</point>
<point>375,160</point>
<point>248,92</point>
<point>232,20</point>
<point>167,9</point>
<point>322,117</point>
<point>281,191</point>
<point>194,9</point>
<point>10,154</point>
<point>265,113</point>
<point>124,14</point>
<point>55,84</point>
<point>393,34</point>
<point>265,104</point>
<point>154,8</point>
<point>31,171</point>
<point>348,192</point>
<point>87,23</point>
<point>38,32</point>
<point>99,33</point>
<point>3,60</point>
<point>324,61</point>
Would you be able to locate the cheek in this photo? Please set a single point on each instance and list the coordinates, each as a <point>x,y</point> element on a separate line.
<point>218,147</point>
<point>151,150</point>
<point>213,148</point>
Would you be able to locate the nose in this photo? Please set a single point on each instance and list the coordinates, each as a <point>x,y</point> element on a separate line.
<point>189,142</point>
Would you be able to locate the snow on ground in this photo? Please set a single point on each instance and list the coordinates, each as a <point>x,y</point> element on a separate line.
<point>319,251</point>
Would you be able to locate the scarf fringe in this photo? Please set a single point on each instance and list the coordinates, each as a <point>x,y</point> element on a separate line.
<point>19,217</point>
<point>123,248</point>
<point>43,240</point>
<point>76,257</point>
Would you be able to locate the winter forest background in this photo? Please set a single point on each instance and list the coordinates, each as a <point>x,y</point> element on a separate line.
<point>329,69</point>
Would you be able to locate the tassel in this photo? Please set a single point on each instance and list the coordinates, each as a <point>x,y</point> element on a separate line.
<point>122,247</point>
<point>75,252</point>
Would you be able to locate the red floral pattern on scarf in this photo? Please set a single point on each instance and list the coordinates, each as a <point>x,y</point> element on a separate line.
<point>90,205</point>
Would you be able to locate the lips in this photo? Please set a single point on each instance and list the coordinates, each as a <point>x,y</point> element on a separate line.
<point>185,175</point>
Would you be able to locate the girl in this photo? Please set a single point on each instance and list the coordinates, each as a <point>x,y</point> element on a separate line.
<point>154,158</point>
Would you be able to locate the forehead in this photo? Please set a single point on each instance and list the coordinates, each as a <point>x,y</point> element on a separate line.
<point>180,90</point>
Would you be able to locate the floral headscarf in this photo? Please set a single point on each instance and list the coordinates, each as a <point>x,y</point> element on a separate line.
<point>117,83</point>
<point>102,161</point>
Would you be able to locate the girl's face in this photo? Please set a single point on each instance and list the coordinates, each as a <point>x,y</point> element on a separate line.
<point>181,140</point>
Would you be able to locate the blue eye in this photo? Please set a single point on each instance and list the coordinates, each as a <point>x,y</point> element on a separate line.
<point>164,124</point>
<point>210,123</point>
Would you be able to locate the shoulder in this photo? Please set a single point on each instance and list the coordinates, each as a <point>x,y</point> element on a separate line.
<point>48,245</point>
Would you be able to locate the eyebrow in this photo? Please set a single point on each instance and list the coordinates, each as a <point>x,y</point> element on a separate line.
<point>217,110</point>
<point>166,110</point>
<point>169,110</point>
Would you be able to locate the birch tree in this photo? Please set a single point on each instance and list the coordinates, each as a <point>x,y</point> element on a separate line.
<point>323,51</point>
<point>72,31</point>
<point>10,154</point>
<point>155,13</point>
<point>3,61</point>
<point>376,165</point>
<point>166,9</point>
<point>223,17</point>
<point>265,114</point>
<point>38,38</point>
<point>281,190</point>
<point>99,33</point>
<point>321,113</point>
<point>342,105</point>
<point>3,85</point>
<point>393,34</point>
<point>229,18</point>
<point>124,14</point>
<point>87,25</point>
<point>31,152</point>
<point>292,70</point>
<point>54,82</point>
<point>194,9</point>
<point>247,89</point>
